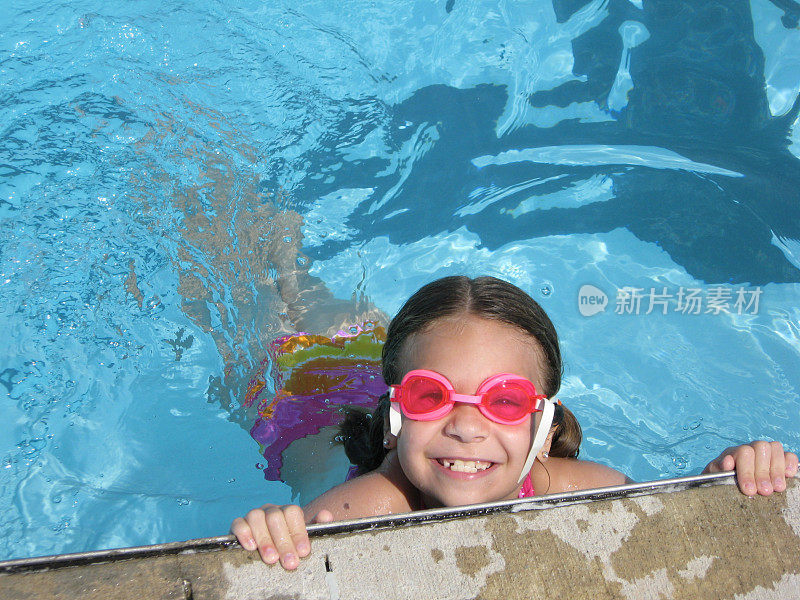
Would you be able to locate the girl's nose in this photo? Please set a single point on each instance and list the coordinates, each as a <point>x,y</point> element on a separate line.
<point>466,423</point>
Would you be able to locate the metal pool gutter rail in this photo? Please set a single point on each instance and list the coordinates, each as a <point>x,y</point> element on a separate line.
<point>46,563</point>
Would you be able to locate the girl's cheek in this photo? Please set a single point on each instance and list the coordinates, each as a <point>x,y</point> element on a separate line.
<point>411,449</point>
<point>402,452</point>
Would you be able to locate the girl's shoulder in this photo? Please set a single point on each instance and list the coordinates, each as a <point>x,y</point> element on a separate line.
<point>571,474</point>
<point>384,491</point>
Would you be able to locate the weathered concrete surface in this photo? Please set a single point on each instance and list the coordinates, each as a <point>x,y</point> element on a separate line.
<point>709,542</point>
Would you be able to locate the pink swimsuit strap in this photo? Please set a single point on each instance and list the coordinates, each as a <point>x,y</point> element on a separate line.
<point>526,491</point>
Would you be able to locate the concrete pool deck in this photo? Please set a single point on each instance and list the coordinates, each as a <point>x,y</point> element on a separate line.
<point>683,538</point>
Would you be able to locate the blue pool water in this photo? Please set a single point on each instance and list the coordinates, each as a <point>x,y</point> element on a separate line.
<point>171,171</point>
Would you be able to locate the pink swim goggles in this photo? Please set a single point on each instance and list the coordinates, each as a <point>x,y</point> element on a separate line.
<point>504,398</point>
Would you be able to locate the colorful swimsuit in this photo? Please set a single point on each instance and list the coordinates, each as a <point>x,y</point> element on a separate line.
<point>526,491</point>
<point>314,376</point>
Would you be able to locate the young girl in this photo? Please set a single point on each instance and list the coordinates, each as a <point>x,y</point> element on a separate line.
<point>472,366</point>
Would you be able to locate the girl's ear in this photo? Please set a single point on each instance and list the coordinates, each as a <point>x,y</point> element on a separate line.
<point>545,451</point>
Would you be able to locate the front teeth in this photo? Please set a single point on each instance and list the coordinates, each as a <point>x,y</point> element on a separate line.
<point>465,466</point>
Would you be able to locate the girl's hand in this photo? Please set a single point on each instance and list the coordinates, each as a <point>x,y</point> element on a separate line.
<point>761,467</point>
<point>277,532</point>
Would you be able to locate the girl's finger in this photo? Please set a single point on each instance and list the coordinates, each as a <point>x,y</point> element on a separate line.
<point>323,516</point>
<point>791,464</point>
<point>296,521</point>
<point>763,458</point>
<point>257,520</point>
<point>777,467</point>
<point>724,462</point>
<point>241,530</point>
<point>728,463</point>
<point>282,538</point>
<point>745,469</point>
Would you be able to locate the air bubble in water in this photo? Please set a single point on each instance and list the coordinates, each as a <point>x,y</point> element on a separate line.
<point>259,466</point>
<point>287,239</point>
<point>61,526</point>
<point>694,424</point>
<point>301,260</point>
<point>546,290</point>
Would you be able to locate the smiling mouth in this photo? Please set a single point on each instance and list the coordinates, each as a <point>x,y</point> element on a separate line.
<point>464,466</point>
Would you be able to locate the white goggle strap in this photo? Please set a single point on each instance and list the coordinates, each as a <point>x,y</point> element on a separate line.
<point>540,437</point>
<point>394,415</point>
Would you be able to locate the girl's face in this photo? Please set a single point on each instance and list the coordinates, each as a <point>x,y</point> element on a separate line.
<point>467,350</point>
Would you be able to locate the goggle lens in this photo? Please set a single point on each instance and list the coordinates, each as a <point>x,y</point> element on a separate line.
<point>507,401</point>
<point>423,395</point>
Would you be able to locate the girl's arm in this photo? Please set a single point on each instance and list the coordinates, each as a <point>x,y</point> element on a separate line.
<point>761,467</point>
<point>571,475</point>
<point>384,491</point>
<point>279,532</point>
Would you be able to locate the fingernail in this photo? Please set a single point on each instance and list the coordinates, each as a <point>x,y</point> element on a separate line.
<point>749,488</point>
<point>249,545</point>
<point>779,484</point>
<point>290,561</point>
<point>303,548</point>
<point>270,555</point>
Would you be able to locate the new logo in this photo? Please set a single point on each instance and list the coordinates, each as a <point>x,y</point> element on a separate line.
<point>591,300</point>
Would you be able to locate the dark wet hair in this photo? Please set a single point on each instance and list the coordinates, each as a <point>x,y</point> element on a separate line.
<point>486,297</point>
